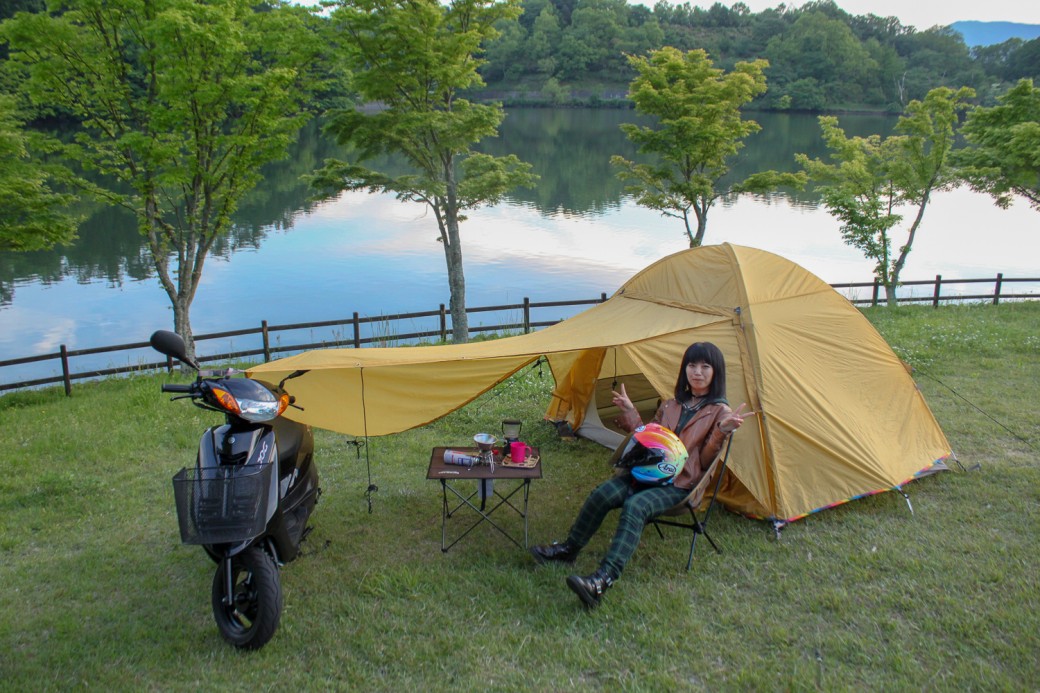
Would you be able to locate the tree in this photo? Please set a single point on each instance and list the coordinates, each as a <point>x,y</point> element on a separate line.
<point>1024,63</point>
<point>545,37</point>
<point>1003,158</point>
<point>32,216</point>
<point>996,60</point>
<point>698,131</point>
<point>820,48</point>
<point>180,103</point>
<point>590,43</point>
<point>414,58</point>
<point>508,57</point>
<point>936,57</point>
<point>873,177</point>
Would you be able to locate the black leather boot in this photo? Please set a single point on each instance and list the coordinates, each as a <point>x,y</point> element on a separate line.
<point>590,589</point>
<point>562,552</point>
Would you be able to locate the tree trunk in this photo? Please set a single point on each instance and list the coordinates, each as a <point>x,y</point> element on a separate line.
<point>890,293</point>
<point>456,285</point>
<point>702,226</point>
<point>700,208</point>
<point>897,266</point>
<point>686,222</point>
<point>189,273</point>
<point>447,213</point>
<point>182,325</point>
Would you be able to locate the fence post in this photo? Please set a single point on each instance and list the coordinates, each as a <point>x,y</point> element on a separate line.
<point>267,341</point>
<point>996,289</point>
<point>527,315</point>
<point>444,325</point>
<point>935,296</point>
<point>65,371</point>
<point>603,297</point>
<point>357,332</point>
<point>877,286</point>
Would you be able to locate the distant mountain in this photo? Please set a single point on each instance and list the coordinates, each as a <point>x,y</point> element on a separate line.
<point>990,33</point>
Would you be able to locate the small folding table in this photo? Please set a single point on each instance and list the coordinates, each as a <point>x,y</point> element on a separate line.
<point>487,497</point>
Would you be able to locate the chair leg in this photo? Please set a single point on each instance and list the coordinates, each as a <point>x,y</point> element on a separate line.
<point>695,526</point>
<point>713,544</point>
<point>693,543</point>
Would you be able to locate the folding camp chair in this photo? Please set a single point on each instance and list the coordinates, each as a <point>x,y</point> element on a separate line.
<point>694,499</point>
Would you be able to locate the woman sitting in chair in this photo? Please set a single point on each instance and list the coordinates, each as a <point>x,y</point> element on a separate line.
<point>702,419</point>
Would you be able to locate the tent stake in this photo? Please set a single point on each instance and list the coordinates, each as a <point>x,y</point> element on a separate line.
<point>906,497</point>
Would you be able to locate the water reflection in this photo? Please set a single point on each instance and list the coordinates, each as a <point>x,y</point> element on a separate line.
<point>569,149</point>
<point>293,259</point>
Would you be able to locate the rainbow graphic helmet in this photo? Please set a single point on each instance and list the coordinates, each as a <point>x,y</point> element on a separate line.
<point>654,454</point>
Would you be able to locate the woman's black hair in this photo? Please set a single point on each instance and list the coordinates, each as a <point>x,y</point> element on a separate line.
<point>710,354</point>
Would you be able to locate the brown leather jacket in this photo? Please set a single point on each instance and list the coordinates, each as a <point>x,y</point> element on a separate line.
<point>701,435</point>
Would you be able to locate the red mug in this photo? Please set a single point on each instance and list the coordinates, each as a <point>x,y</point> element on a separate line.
<point>518,451</point>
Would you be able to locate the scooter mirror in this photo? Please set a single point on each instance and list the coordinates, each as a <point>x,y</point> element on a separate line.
<point>170,344</point>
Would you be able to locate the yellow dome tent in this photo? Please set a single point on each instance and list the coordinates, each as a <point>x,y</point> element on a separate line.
<point>839,416</point>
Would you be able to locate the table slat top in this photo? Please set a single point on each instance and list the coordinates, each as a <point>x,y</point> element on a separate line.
<point>439,470</point>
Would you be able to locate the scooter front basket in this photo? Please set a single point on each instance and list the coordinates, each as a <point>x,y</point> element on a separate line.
<point>222,505</point>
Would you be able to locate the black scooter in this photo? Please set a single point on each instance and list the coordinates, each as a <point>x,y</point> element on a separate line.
<point>248,497</point>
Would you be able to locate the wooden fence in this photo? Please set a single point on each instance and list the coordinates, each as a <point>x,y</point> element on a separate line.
<point>357,340</point>
<point>936,285</point>
<point>268,349</point>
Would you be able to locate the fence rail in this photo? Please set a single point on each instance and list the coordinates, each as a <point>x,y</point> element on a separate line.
<point>357,339</point>
<point>936,298</point>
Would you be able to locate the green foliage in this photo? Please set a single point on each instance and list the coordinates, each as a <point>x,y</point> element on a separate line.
<point>856,189</point>
<point>98,593</point>
<point>595,39</point>
<point>552,91</point>
<point>32,216</point>
<point>1023,62</point>
<point>180,104</point>
<point>820,56</point>
<point>414,60</point>
<point>698,130</point>
<point>872,178</point>
<point>545,36</point>
<point>823,50</point>
<point>1004,140</point>
<point>938,57</point>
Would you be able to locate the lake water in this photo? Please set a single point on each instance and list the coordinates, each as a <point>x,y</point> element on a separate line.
<point>574,237</point>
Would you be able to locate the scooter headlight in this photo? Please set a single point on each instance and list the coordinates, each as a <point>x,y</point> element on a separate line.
<point>249,400</point>
<point>255,410</point>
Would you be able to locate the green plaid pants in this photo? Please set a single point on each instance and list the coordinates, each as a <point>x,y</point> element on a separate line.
<point>637,506</point>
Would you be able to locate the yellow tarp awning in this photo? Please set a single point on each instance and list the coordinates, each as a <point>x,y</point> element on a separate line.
<point>839,416</point>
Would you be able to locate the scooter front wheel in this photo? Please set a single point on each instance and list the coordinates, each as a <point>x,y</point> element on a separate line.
<point>249,618</point>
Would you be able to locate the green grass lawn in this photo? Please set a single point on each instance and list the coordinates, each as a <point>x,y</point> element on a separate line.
<point>96,591</point>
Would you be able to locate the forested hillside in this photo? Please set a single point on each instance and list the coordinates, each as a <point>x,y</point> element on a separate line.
<point>820,56</point>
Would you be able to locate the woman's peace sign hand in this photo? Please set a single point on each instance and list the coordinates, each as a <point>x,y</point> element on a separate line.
<point>734,419</point>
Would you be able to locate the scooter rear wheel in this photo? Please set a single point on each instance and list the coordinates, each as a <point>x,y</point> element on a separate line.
<point>251,619</point>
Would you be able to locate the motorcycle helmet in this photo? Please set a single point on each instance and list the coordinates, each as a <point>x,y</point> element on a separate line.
<point>654,454</point>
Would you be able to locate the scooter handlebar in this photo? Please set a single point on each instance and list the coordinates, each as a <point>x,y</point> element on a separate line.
<point>176,388</point>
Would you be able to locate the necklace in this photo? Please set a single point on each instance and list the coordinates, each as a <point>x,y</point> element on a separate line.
<point>695,400</point>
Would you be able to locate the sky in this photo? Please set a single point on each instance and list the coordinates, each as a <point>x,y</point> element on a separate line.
<point>921,14</point>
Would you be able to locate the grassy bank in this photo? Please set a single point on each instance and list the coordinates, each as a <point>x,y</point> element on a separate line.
<point>97,593</point>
